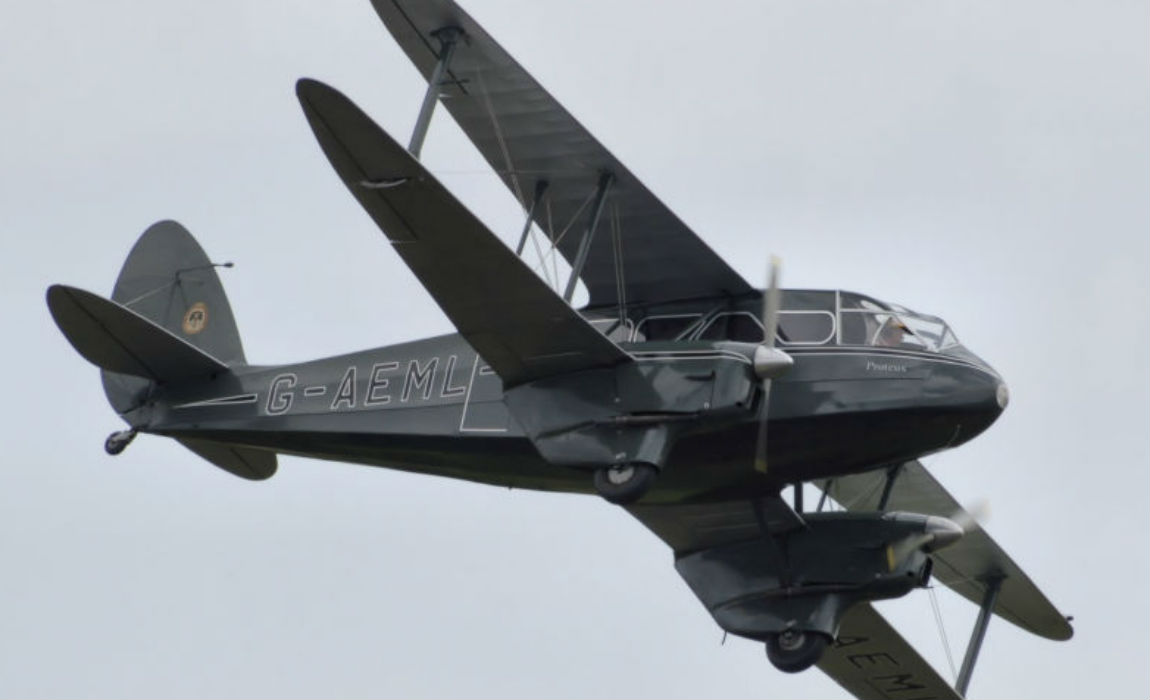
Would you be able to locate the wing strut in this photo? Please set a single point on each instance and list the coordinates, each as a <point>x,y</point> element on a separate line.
<point>992,587</point>
<point>540,189</point>
<point>448,36</point>
<point>585,245</point>
<point>891,476</point>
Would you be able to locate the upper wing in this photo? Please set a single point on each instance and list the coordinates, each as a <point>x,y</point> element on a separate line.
<point>518,324</point>
<point>872,661</point>
<point>966,565</point>
<point>528,137</point>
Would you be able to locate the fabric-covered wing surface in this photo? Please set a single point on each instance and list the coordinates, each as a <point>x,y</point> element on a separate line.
<point>528,137</point>
<point>691,527</point>
<point>966,565</point>
<point>511,317</point>
<point>872,661</point>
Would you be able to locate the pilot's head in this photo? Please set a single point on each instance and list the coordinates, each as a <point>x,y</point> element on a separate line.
<point>892,332</point>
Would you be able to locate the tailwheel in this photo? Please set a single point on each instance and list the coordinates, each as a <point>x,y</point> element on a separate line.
<point>623,484</point>
<point>118,441</point>
<point>792,651</point>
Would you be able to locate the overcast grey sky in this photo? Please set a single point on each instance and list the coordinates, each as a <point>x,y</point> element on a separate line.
<point>987,162</point>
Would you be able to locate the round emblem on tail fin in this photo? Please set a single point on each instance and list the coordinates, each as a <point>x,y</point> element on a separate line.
<point>196,318</point>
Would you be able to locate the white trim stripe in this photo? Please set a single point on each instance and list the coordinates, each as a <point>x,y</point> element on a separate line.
<point>237,400</point>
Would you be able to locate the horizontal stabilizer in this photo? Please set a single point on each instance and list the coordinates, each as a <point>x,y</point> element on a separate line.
<point>520,326</point>
<point>245,462</point>
<point>118,339</point>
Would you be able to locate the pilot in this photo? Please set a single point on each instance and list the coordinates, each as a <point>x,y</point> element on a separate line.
<point>892,333</point>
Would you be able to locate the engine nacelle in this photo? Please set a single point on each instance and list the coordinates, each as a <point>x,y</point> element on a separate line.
<point>806,580</point>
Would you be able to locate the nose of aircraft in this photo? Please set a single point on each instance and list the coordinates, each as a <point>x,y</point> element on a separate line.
<point>1002,394</point>
<point>970,391</point>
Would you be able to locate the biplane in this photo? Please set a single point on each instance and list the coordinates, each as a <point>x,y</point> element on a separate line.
<point>679,391</point>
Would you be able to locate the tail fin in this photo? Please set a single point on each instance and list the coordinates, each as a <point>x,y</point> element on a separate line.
<point>169,280</point>
<point>168,322</point>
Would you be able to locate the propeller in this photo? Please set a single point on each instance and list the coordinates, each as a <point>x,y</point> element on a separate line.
<point>769,361</point>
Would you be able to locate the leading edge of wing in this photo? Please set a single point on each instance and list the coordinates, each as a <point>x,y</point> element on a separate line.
<point>527,136</point>
<point>519,325</point>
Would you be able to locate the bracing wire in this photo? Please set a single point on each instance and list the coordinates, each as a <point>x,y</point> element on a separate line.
<point>575,216</point>
<point>554,244</point>
<point>620,279</point>
<point>514,177</point>
<point>542,256</point>
<point>942,631</point>
<point>502,142</point>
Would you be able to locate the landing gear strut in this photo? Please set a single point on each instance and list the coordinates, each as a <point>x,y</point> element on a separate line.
<point>117,441</point>
<point>623,484</point>
<point>793,651</point>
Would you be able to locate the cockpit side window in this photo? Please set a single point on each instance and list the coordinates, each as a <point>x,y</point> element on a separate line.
<point>869,322</point>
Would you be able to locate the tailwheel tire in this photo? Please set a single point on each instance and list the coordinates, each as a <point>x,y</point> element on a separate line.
<point>792,651</point>
<point>118,441</point>
<point>623,484</point>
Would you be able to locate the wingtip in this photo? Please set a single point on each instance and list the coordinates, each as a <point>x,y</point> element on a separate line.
<point>309,90</point>
<point>305,84</point>
<point>58,294</point>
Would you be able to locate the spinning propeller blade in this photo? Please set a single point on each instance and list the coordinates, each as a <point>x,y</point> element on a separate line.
<point>769,360</point>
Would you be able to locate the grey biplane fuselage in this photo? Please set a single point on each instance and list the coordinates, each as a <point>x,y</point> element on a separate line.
<point>434,406</point>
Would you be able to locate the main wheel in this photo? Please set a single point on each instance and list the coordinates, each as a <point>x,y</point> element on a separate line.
<point>622,484</point>
<point>793,651</point>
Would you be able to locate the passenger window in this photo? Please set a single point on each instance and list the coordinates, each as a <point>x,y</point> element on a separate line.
<point>744,328</point>
<point>610,327</point>
<point>665,327</point>
<point>806,327</point>
<point>740,326</point>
